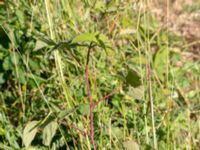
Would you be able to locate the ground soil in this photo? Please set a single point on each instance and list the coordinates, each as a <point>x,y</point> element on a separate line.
<point>183,17</point>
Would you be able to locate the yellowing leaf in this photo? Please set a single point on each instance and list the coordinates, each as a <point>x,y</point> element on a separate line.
<point>49,132</point>
<point>160,63</point>
<point>131,145</point>
<point>29,133</point>
<point>136,93</point>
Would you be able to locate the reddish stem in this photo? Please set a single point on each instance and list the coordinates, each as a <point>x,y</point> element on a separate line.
<point>108,95</point>
<point>91,108</point>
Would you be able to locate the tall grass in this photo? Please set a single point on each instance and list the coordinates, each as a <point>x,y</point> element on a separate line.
<point>130,95</point>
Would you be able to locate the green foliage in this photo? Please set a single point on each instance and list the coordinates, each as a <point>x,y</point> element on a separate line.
<point>43,95</point>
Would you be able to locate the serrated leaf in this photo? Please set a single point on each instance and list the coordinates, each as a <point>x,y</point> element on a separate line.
<point>131,145</point>
<point>160,63</point>
<point>133,78</point>
<point>29,133</point>
<point>49,132</point>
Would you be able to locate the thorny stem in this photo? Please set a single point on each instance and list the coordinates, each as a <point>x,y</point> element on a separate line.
<point>91,103</point>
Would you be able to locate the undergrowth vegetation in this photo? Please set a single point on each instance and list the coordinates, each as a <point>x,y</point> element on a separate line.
<point>89,74</point>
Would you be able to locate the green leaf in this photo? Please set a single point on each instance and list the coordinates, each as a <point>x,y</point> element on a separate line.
<point>136,93</point>
<point>22,76</point>
<point>117,132</point>
<point>160,63</point>
<point>2,80</point>
<point>34,64</point>
<point>7,64</point>
<point>131,145</point>
<point>4,146</point>
<point>29,133</point>
<point>15,58</point>
<point>49,132</point>
<point>39,45</point>
<point>84,109</point>
<point>95,37</point>
<point>1,54</point>
<point>20,16</point>
<point>86,37</point>
<point>133,78</point>
<point>103,41</point>
<point>100,6</point>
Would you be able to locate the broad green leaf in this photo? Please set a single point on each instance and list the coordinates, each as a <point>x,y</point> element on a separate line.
<point>20,16</point>
<point>34,64</point>
<point>29,133</point>
<point>160,63</point>
<point>84,109</point>
<point>22,76</point>
<point>85,37</point>
<point>131,145</point>
<point>15,58</point>
<point>133,78</point>
<point>100,6</point>
<point>49,132</point>
<point>1,54</point>
<point>7,64</point>
<point>117,132</point>
<point>136,93</point>
<point>39,45</point>
<point>103,40</point>
<point>95,37</point>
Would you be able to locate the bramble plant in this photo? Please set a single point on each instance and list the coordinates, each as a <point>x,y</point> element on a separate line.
<point>99,75</point>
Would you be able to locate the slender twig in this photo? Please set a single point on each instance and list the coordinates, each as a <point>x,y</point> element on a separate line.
<point>91,103</point>
<point>108,95</point>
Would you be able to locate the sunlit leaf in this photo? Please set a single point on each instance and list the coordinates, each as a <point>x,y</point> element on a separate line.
<point>131,145</point>
<point>85,37</point>
<point>160,63</point>
<point>29,133</point>
<point>39,45</point>
<point>49,132</point>
<point>136,93</point>
<point>84,109</point>
<point>95,37</point>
